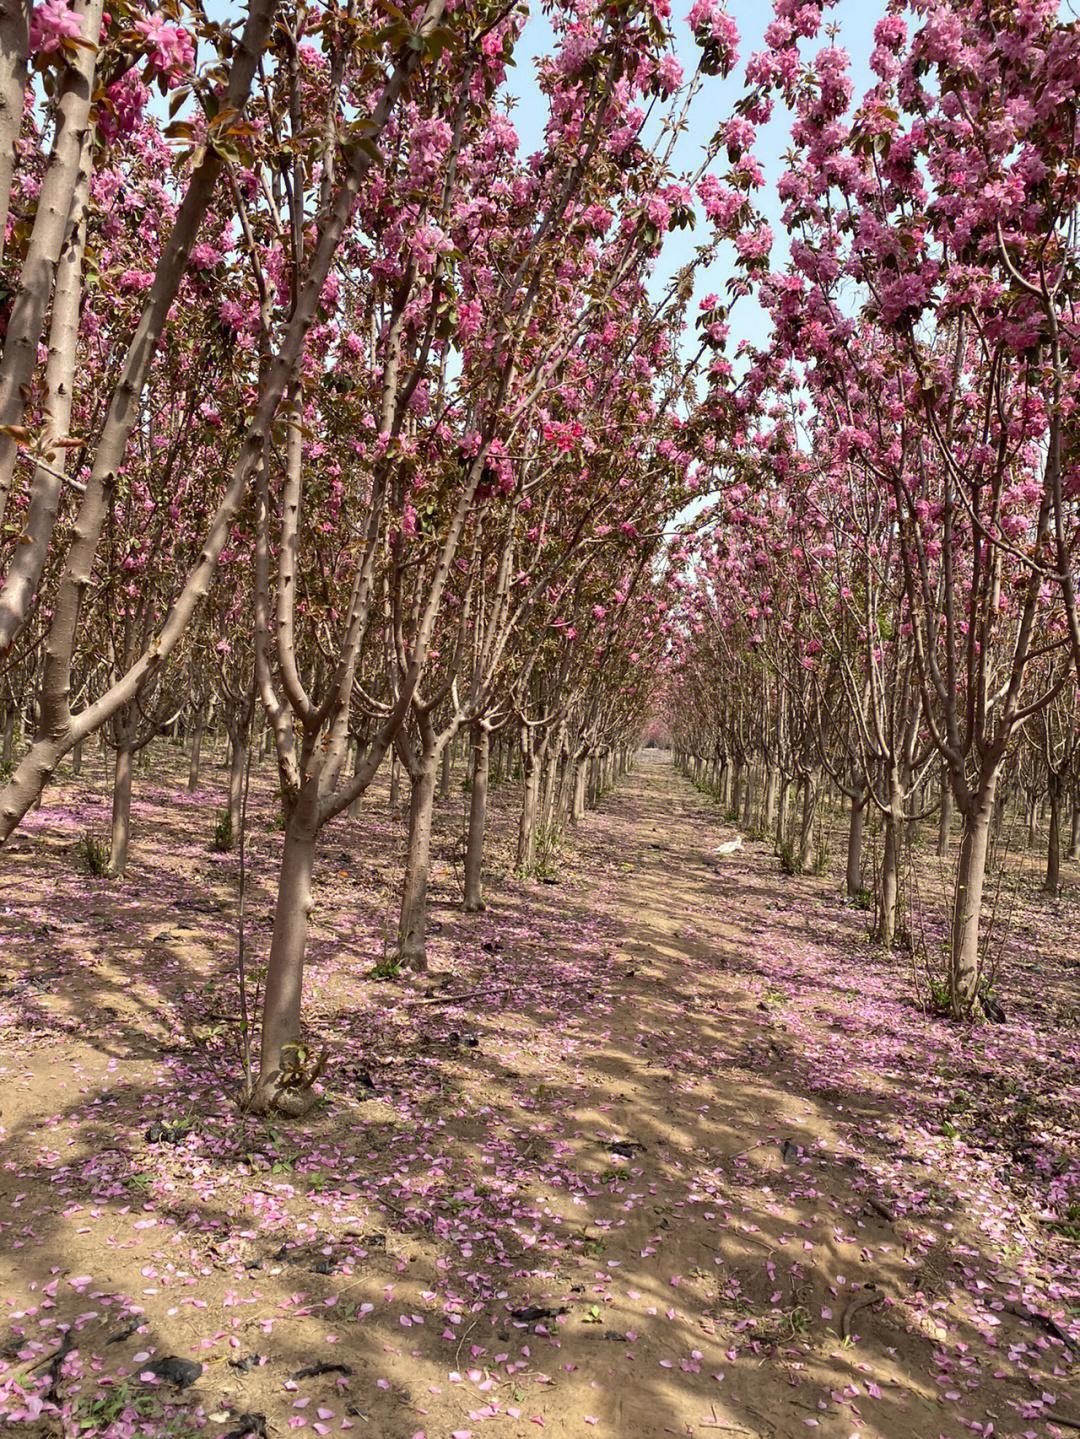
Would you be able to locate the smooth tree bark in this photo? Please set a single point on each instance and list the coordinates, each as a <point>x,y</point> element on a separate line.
<point>238,694</point>
<point>34,292</point>
<point>893,818</point>
<point>1053,848</point>
<point>422,759</point>
<point>126,397</point>
<point>1053,743</point>
<point>198,729</point>
<point>783,805</point>
<point>132,731</point>
<point>965,967</point>
<point>772,783</point>
<point>23,575</point>
<point>7,749</point>
<point>808,817</point>
<point>281,1054</point>
<point>945,816</point>
<point>238,750</point>
<point>554,744</point>
<point>14,47</point>
<point>120,833</point>
<point>734,803</point>
<point>480,735</point>
<point>581,779</point>
<point>530,800</point>
<point>858,803</point>
<point>749,800</point>
<point>411,948</point>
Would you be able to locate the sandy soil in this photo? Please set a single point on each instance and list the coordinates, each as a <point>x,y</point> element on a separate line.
<point>687,1159</point>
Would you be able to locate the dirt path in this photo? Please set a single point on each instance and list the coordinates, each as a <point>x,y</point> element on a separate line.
<point>668,1172</point>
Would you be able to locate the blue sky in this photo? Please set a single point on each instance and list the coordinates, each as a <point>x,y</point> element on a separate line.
<point>856,20</point>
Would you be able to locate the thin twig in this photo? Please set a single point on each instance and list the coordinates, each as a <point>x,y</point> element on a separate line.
<point>454,998</point>
<point>865,1300</point>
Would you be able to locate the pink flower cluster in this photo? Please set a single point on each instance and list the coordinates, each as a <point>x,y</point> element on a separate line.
<point>427,244</point>
<point>429,143</point>
<point>669,75</point>
<point>50,25</point>
<point>714,27</point>
<point>170,47</point>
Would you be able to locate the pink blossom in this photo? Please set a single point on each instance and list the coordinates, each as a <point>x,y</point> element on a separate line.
<point>171,49</point>
<point>426,244</point>
<point>231,314</point>
<point>50,25</point>
<point>669,75</point>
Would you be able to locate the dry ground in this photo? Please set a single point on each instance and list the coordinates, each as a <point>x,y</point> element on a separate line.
<point>688,1158</point>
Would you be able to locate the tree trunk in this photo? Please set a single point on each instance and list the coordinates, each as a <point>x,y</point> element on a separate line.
<point>121,810</point>
<point>196,750</point>
<point>771,782</point>
<point>526,850</point>
<point>735,797</point>
<point>14,43</point>
<point>782,803</point>
<point>33,290</point>
<point>38,520</point>
<point>1074,834</point>
<point>999,814</point>
<point>412,922</point>
<point>1053,848</point>
<point>581,779</point>
<point>357,805</point>
<point>395,782</point>
<point>285,967</point>
<point>550,785</point>
<point>474,852</point>
<point>76,759</point>
<point>856,828</point>
<point>444,775</point>
<point>945,817</point>
<point>967,900</point>
<point>890,873</point>
<point>806,827</point>
<point>237,757</point>
<point>10,720</point>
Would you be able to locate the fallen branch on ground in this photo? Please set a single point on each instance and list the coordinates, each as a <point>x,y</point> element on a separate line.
<point>861,1301</point>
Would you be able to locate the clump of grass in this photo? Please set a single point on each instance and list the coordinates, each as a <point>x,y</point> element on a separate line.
<point>789,860</point>
<point>94,854</point>
<point>223,839</point>
<point>389,968</point>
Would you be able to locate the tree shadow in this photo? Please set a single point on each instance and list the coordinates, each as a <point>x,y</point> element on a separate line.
<point>621,1006</point>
